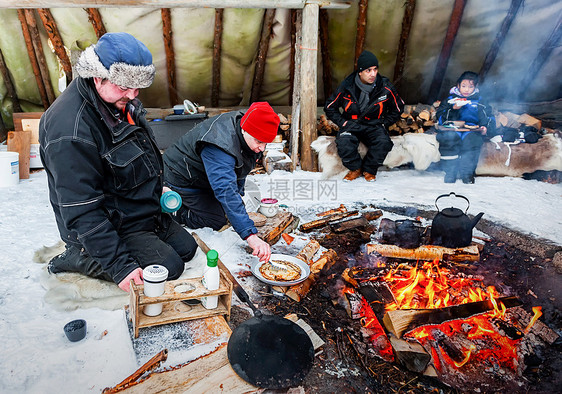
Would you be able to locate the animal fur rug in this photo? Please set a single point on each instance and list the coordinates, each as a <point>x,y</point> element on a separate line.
<point>417,148</point>
<point>70,290</point>
<point>496,159</point>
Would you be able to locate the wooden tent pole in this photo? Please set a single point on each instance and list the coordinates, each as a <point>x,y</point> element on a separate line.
<point>544,53</point>
<point>296,103</point>
<point>498,41</point>
<point>95,19</point>
<point>32,59</point>
<point>292,55</point>
<point>361,30</point>
<point>55,37</point>
<point>443,61</point>
<point>217,49</point>
<point>170,57</point>
<point>308,113</point>
<point>39,54</point>
<point>9,84</point>
<point>325,51</point>
<point>263,47</point>
<point>409,11</point>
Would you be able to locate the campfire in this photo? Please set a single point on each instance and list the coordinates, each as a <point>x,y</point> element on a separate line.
<point>444,323</point>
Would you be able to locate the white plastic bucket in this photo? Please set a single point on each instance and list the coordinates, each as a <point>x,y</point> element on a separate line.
<point>9,169</point>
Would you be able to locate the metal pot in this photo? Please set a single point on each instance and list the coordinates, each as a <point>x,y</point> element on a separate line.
<point>404,233</point>
<point>452,227</point>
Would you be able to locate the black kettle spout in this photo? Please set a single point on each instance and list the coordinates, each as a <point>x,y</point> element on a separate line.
<point>477,219</point>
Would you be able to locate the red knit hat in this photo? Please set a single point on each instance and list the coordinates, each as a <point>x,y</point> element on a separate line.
<point>260,121</point>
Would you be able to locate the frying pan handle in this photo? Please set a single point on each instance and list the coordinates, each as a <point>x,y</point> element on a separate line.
<point>238,290</point>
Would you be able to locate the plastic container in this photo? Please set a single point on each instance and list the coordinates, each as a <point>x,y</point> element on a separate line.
<point>211,278</point>
<point>154,282</point>
<point>170,201</point>
<point>9,169</point>
<point>35,157</point>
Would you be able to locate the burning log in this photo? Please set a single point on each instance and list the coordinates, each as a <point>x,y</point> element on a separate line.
<point>377,294</point>
<point>402,320</point>
<point>306,227</point>
<point>426,252</point>
<point>349,224</point>
<point>411,355</point>
<point>324,263</point>
<point>520,317</point>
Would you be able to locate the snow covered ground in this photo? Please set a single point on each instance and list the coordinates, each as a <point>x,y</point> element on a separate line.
<point>37,357</point>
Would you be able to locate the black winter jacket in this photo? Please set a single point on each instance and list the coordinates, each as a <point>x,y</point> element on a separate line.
<point>385,106</point>
<point>223,131</point>
<point>104,174</point>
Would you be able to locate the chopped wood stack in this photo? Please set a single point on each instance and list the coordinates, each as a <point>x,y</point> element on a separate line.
<point>415,119</point>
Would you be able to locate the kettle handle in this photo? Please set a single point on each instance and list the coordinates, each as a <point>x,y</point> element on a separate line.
<point>455,195</point>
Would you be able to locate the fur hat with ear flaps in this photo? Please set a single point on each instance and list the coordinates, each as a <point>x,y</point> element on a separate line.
<point>119,58</point>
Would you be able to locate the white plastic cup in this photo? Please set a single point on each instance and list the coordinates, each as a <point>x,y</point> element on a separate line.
<point>154,283</point>
<point>9,169</point>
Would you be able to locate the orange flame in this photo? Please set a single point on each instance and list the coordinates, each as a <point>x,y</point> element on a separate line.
<point>538,313</point>
<point>467,354</point>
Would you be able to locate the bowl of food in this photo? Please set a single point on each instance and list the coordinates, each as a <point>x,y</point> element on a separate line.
<point>296,270</point>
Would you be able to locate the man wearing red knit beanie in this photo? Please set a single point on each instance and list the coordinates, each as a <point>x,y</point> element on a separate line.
<point>208,167</point>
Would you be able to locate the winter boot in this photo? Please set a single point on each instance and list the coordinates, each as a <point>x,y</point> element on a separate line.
<point>467,165</point>
<point>352,175</point>
<point>73,260</point>
<point>369,177</point>
<point>450,168</point>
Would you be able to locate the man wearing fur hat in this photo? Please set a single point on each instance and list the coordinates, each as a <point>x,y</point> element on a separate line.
<point>364,106</point>
<point>208,168</point>
<point>104,170</point>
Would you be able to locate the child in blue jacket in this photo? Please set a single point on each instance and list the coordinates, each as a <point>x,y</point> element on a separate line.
<point>460,145</point>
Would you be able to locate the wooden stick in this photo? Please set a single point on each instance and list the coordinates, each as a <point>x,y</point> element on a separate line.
<point>39,54</point>
<point>95,19</point>
<point>33,59</point>
<point>498,41</point>
<point>361,30</point>
<point>402,320</point>
<point>309,95</point>
<point>409,10</point>
<point>9,84</point>
<point>263,47</point>
<point>56,39</point>
<point>217,49</point>
<point>293,30</point>
<point>443,61</point>
<point>296,97</point>
<point>325,52</point>
<point>412,355</point>
<point>167,32</point>
<point>544,53</point>
<point>131,380</point>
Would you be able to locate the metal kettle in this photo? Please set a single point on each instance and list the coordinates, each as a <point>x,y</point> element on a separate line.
<point>452,227</point>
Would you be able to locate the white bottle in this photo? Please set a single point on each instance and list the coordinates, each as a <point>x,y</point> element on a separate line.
<point>211,278</point>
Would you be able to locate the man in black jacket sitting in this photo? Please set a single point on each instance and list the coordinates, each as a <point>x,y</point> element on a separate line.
<point>364,106</point>
<point>104,170</point>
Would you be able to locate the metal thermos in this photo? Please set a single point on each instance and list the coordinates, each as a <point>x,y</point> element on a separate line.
<point>154,281</point>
